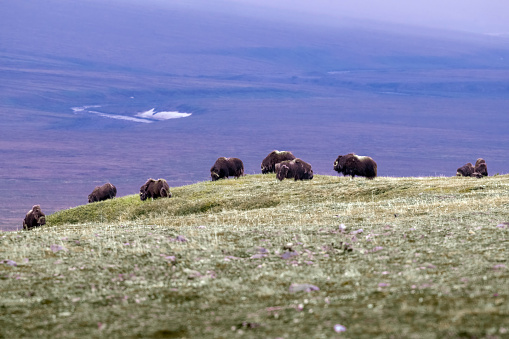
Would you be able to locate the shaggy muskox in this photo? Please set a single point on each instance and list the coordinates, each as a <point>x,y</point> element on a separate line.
<point>297,169</point>
<point>34,218</point>
<point>226,167</point>
<point>104,192</point>
<point>466,170</point>
<point>352,164</point>
<point>155,189</point>
<point>481,167</point>
<point>275,157</point>
<point>478,171</point>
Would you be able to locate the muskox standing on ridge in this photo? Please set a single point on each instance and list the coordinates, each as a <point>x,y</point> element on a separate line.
<point>297,169</point>
<point>481,167</point>
<point>104,192</point>
<point>155,189</point>
<point>269,163</point>
<point>226,167</point>
<point>34,218</point>
<point>352,164</point>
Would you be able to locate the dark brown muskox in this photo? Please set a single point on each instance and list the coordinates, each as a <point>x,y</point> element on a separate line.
<point>34,218</point>
<point>104,192</point>
<point>226,167</point>
<point>275,157</point>
<point>481,167</point>
<point>155,189</point>
<point>466,170</point>
<point>297,169</point>
<point>352,164</point>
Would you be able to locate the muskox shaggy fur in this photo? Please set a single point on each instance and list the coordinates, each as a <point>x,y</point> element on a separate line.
<point>155,189</point>
<point>352,164</point>
<point>226,167</point>
<point>34,218</point>
<point>275,157</point>
<point>466,170</point>
<point>104,192</point>
<point>297,169</point>
<point>481,167</point>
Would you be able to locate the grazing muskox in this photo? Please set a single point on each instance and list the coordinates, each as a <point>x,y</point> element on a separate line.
<point>481,167</point>
<point>352,164</point>
<point>104,192</point>
<point>155,189</point>
<point>275,157</point>
<point>297,169</point>
<point>226,167</point>
<point>466,170</point>
<point>34,218</point>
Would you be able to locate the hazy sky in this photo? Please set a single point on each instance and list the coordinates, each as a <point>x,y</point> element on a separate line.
<point>480,16</point>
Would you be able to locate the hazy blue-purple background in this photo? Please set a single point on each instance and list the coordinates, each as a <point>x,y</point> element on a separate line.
<point>422,88</point>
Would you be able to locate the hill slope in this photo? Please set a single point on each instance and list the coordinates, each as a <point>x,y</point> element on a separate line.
<point>403,257</point>
<point>260,200</point>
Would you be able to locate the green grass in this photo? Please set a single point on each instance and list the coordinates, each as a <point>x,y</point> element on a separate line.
<point>430,262</point>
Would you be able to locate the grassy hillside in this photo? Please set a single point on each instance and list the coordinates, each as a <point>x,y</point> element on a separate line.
<point>254,257</point>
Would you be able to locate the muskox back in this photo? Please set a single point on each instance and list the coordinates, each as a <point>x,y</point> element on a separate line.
<point>269,163</point>
<point>353,164</point>
<point>226,167</point>
<point>297,169</point>
<point>104,192</point>
<point>34,218</point>
<point>155,189</point>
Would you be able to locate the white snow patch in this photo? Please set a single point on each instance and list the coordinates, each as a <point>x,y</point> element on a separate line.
<point>146,117</point>
<point>120,117</point>
<point>152,114</point>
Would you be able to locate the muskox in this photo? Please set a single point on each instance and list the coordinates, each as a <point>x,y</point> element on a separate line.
<point>34,218</point>
<point>466,170</point>
<point>275,157</point>
<point>155,189</point>
<point>478,171</point>
<point>226,167</point>
<point>481,167</point>
<point>297,169</point>
<point>352,164</point>
<point>104,192</point>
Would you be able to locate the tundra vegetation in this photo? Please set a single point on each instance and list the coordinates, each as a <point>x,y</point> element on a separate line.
<point>258,258</point>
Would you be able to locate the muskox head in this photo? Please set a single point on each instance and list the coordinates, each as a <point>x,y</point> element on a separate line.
<point>143,194</point>
<point>214,174</point>
<point>337,164</point>
<point>144,189</point>
<point>308,175</point>
<point>91,198</point>
<point>283,171</point>
<point>265,166</point>
<point>480,161</point>
<point>38,215</point>
<point>267,163</point>
<point>476,175</point>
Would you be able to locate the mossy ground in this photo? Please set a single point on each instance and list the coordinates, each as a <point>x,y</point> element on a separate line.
<point>418,258</point>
